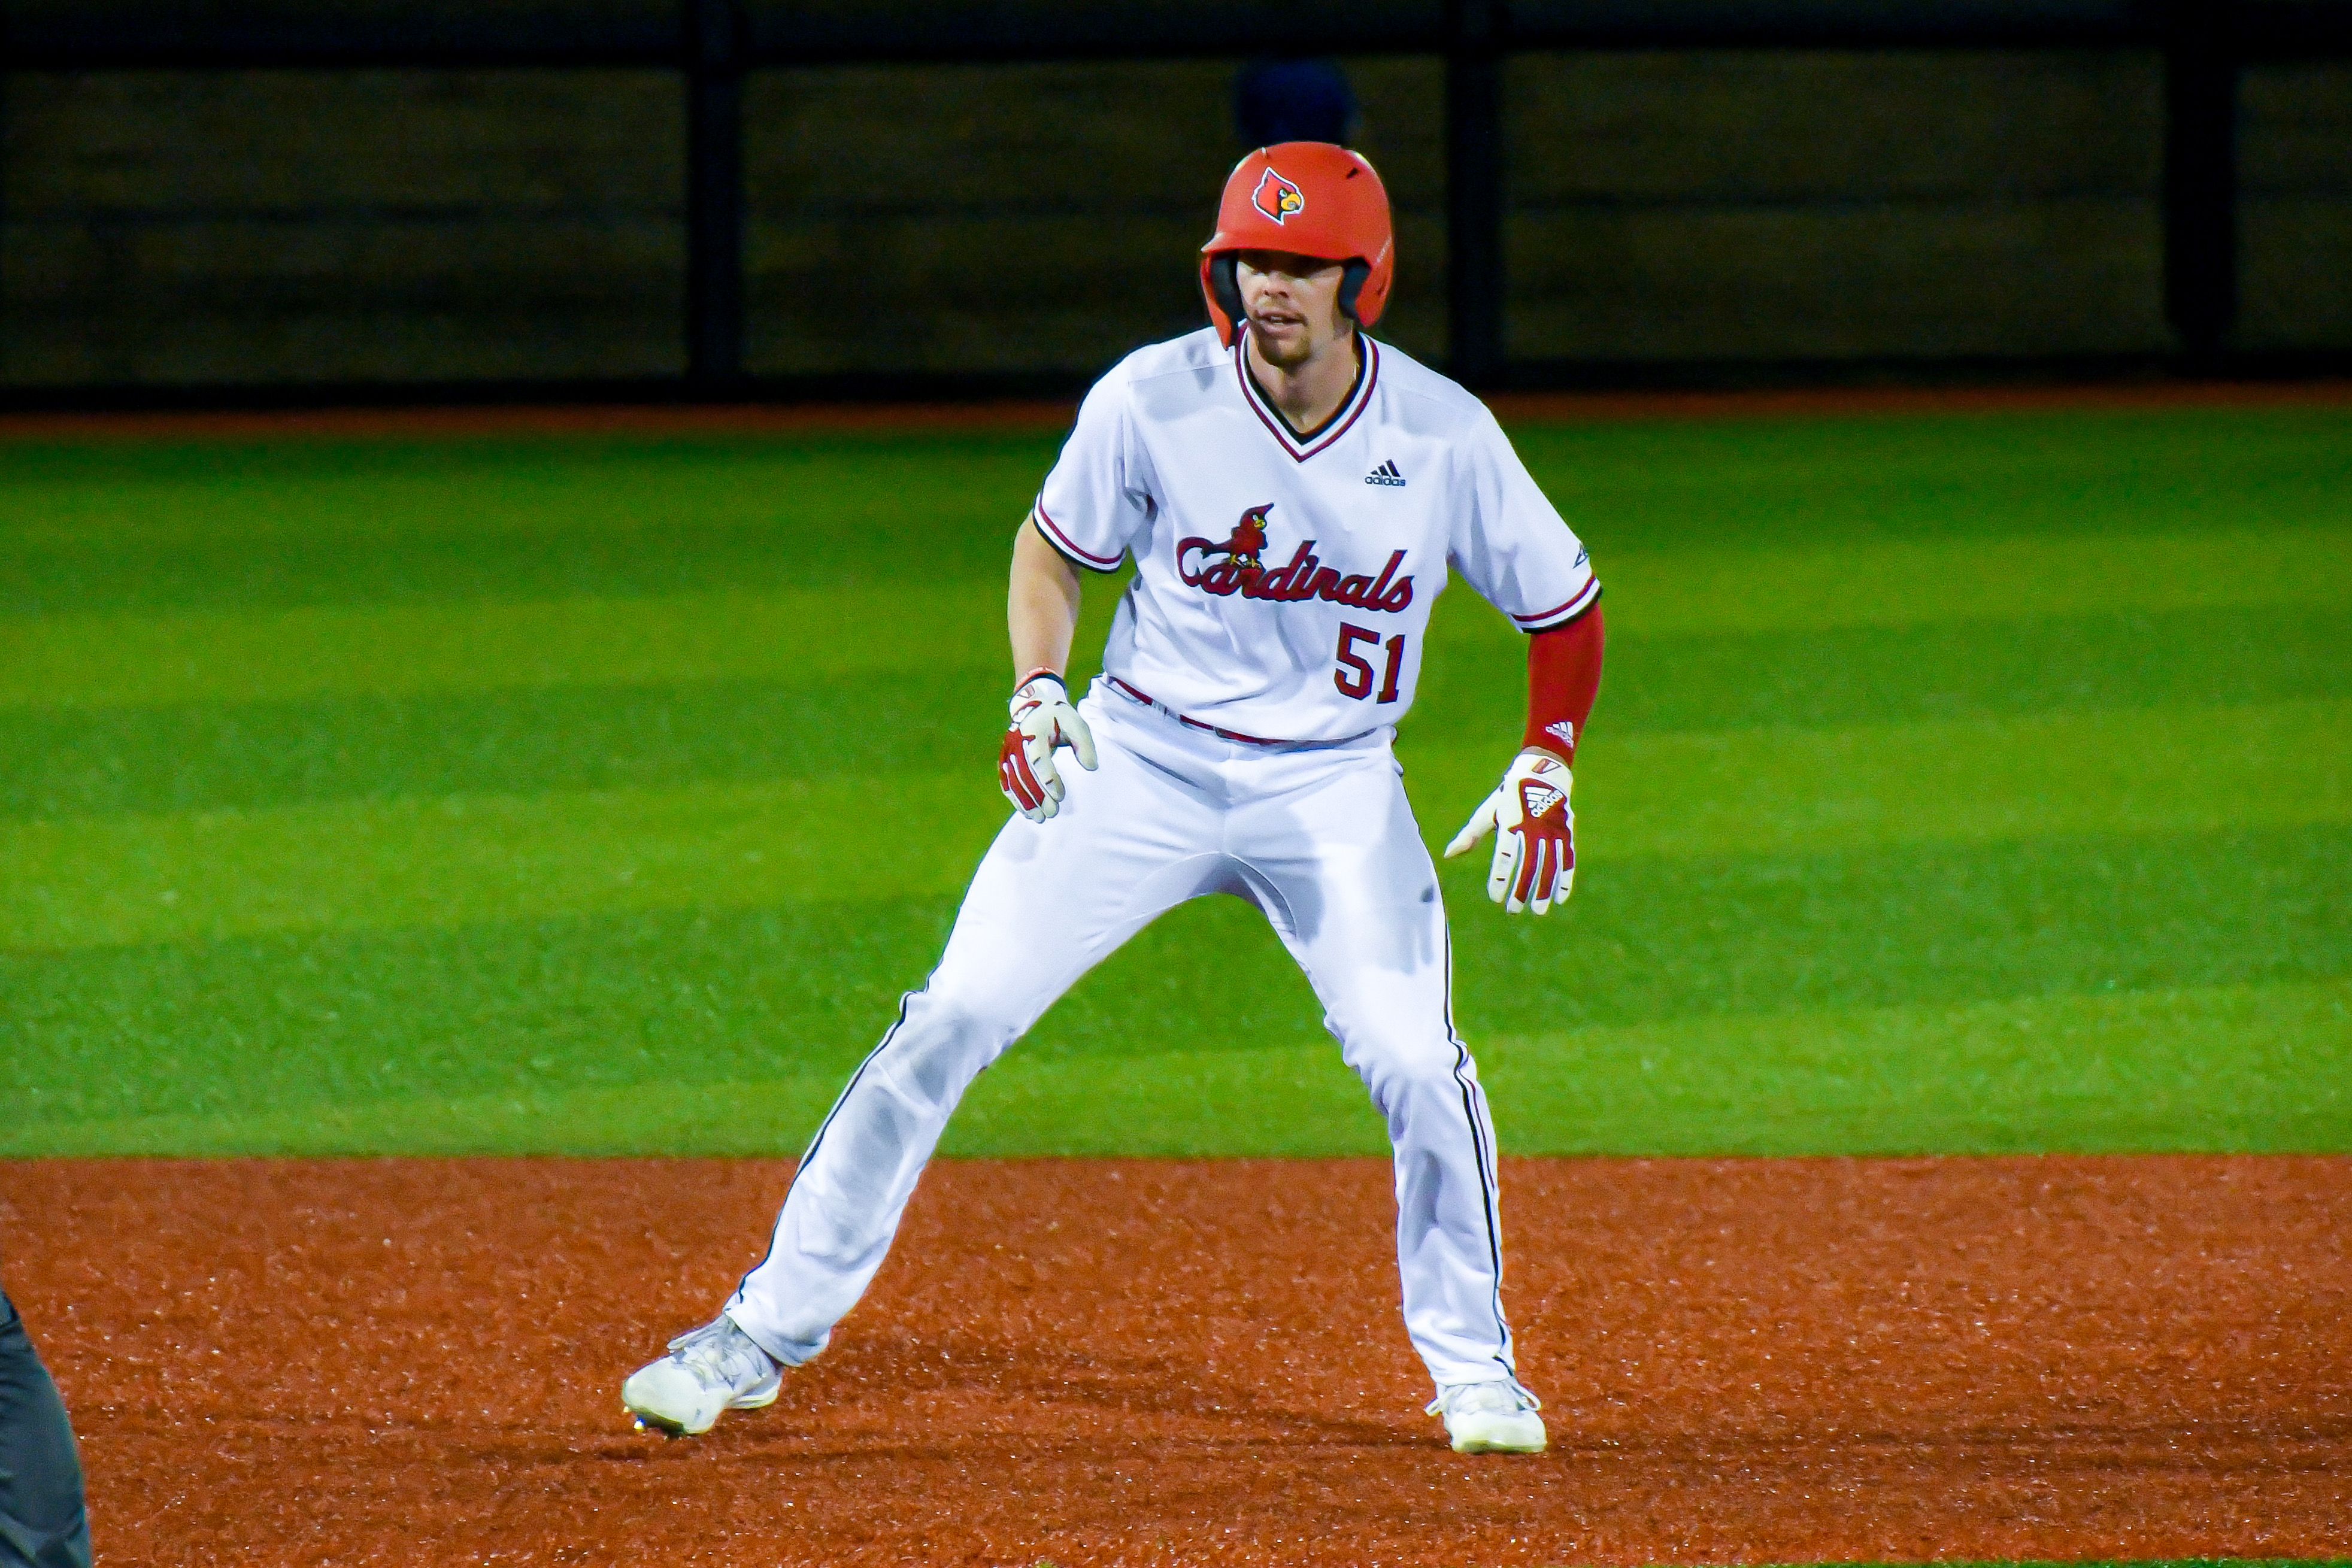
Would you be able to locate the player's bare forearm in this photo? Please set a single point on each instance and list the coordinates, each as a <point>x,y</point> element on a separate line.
<point>1042,606</point>
<point>1042,614</point>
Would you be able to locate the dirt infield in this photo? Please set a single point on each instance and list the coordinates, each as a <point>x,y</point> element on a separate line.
<point>1053,417</point>
<point>418,1362</point>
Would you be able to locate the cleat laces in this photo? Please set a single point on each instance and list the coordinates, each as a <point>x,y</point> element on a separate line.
<point>720,1354</point>
<point>1463,1397</point>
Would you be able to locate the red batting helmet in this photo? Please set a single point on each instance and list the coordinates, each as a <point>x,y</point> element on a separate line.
<point>1309,198</point>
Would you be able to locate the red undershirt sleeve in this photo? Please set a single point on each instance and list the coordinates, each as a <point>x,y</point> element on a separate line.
<point>1563,679</point>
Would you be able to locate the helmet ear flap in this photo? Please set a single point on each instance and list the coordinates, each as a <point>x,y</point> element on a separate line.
<point>1225,286</point>
<point>1351,284</point>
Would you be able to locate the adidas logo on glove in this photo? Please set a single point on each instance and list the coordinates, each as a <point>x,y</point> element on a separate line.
<point>1540,798</point>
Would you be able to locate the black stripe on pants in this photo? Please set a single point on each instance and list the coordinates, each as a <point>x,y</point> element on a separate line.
<point>43,1524</point>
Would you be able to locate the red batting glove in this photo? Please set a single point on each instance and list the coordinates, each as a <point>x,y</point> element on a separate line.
<point>1535,835</point>
<point>1042,718</point>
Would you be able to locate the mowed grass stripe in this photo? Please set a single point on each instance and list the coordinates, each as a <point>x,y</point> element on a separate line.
<point>233,526</point>
<point>341,865</point>
<point>294,1023</point>
<point>1982,779</point>
<point>2047,471</point>
<point>208,756</point>
<point>498,645</point>
<point>2244,1068</point>
<point>1921,583</point>
<point>2184,838</point>
<point>461,860</point>
<point>394,650</point>
<point>2265,1068</point>
<point>1985,780</point>
<point>1879,674</point>
<point>237,525</point>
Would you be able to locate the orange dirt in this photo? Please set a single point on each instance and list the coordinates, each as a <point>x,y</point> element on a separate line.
<point>1052,415</point>
<point>418,1361</point>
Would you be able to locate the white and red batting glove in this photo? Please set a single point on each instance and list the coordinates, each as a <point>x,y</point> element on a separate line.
<point>1535,835</point>
<point>1042,719</point>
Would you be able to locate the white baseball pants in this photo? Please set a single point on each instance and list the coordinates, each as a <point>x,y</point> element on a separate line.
<point>1319,837</point>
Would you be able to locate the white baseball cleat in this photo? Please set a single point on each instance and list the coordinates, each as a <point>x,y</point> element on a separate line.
<point>1490,1418</point>
<point>708,1372</point>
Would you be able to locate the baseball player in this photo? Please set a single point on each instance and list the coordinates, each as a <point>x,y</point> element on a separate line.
<point>1294,496</point>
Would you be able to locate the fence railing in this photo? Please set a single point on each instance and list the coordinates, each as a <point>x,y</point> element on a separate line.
<point>713,43</point>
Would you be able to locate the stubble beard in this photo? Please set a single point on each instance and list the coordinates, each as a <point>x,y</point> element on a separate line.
<point>1285,353</point>
<point>1293,352</point>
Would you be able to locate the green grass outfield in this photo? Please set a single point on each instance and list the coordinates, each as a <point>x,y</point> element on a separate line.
<point>1977,782</point>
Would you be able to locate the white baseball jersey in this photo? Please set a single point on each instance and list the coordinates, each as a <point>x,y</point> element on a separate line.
<point>1283,584</point>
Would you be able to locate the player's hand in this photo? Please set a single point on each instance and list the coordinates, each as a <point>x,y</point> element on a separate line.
<point>1535,835</point>
<point>1042,719</point>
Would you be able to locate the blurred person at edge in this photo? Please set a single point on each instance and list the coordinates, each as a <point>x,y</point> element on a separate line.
<point>1293,100</point>
<point>43,1520</point>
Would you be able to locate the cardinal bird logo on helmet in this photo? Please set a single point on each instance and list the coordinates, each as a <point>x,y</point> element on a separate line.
<point>1277,197</point>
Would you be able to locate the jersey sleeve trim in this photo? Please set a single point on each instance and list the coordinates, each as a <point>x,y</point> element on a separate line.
<point>1061,542</point>
<point>1562,614</point>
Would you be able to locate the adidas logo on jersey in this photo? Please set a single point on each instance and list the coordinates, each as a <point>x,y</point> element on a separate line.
<point>1386,474</point>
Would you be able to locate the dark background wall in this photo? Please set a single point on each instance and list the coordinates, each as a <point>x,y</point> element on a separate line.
<point>333,225</point>
<point>2295,208</point>
<point>1781,206</point>
<point>1663,207</point>
<point>1030,217</point>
